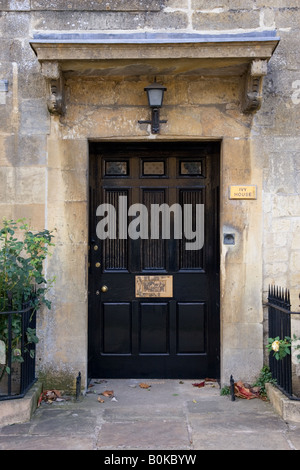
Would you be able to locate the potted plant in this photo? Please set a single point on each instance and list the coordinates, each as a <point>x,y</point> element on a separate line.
<point>23,288</point>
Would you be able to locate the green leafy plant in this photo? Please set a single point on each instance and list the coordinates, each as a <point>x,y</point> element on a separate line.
<point>282,347</point>
<point>264,377</point>
<point>279,347</point>
<point>225,390</point>
<point>22,281</point>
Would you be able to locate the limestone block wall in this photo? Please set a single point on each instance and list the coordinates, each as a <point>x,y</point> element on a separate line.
<point>44,160</point>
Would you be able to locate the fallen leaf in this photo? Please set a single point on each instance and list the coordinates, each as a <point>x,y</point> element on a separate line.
<point>49,396</point>
<point>241,391</point>
<point>199,385</point>
<point>210,380</point>
<point>194,401</point>
<point>53,394</point>
<point>144,385</point>
<point>100,400</point>
<point>108,393</point>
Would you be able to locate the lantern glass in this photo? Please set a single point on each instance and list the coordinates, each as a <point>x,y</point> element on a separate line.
<point>155,95</point>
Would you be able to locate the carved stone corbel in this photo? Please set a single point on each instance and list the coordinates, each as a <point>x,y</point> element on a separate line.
<point>254,84</point>
<point>53,74</point>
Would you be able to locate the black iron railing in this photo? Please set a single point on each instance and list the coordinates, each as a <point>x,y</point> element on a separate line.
<point>279,316</point>
<point>17,357</point>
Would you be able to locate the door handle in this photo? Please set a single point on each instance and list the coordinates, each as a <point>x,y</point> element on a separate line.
<point>104,288</point>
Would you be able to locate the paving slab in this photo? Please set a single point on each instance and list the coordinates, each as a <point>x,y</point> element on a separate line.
<point>144,434</point>
<point>169,415</point>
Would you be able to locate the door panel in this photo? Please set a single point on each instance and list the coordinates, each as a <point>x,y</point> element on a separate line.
<point>154,328</point>
<point>116,328</point>
<point>191,328</point>
<point>154,336</point>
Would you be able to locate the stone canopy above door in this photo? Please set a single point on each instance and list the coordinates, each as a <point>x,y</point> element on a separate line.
<point>154,54</point>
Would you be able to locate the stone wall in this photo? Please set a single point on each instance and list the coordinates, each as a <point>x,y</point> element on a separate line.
<point>43,159</point>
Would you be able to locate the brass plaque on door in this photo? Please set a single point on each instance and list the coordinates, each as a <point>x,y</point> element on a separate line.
<point>154,286</point>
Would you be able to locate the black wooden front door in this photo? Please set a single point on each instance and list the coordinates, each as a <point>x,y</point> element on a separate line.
<point>153,303</point>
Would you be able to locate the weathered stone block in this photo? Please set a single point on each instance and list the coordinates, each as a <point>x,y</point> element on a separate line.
<point>30,185</point>
<point>67,185</point>
<point>273,3</point>
<point>20,410</point>
<point>166,20</point>
<point>32,150</point>
<point>7,149</point>
<point>69,219</point>
<point>91,20</point>
<point>278,180</point>
<point>7,181</point>
<point>61,375</point>
<point>223,5</point>
<point>35,118</point>
<point>31,84</point>
<point>215,91</point>
<point>98,5</point>
<point>96,91</point>
<point>6,211</point>
<point>245,363</point>
<point>68,154</point>
<point>232,19</point>
<point>18,51</point>
<point>235,125</point>
<point>267,17</point>
<point>287,17</point>
<point>70,318</point>
<point>105,121</point>
<point>296,241</point>
<point>176,4</point>
<point>239,334</point>
<point>286,205</point>
<point>14,5</point>
<point>14,25</point>
<point>33,213</point>
<point>294,261</point>
<point>69,260</point>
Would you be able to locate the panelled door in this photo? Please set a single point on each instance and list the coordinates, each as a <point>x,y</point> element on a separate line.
<point>154,260</point>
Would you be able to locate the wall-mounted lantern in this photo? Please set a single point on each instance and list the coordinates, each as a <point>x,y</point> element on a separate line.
<point>155,94</point>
